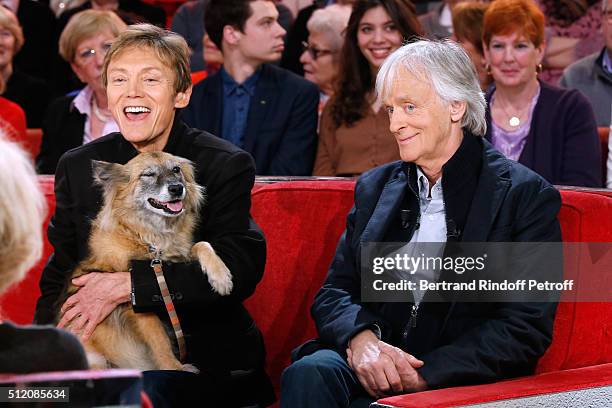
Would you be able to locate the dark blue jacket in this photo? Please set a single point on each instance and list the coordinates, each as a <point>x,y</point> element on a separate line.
<point>281,130</point>
<point>490,198</point>
<point>562,145</point>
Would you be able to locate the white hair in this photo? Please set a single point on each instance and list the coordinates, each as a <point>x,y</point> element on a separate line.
<point>447,67</point>
<point>331,21</point>
<point>22,212</point>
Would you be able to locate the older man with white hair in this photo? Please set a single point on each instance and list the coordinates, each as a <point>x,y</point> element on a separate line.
<point>451,185</point>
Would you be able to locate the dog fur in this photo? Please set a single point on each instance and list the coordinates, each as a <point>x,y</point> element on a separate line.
<point>127,224</point>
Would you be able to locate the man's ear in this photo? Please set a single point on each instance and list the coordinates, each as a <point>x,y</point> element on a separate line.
<point>457,110</point>
<point>182,98</point>
<point>231,35</point>
<point>107,174</point>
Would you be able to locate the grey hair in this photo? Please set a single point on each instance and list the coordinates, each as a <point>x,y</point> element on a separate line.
<point>450,71</point>
<point>331,21</point>
<point>22,211</point>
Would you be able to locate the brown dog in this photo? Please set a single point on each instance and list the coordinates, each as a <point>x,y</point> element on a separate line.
<point>152,201</point>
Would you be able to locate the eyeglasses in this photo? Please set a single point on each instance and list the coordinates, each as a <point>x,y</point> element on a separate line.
<point>314,52</point>
<point>88,54</point>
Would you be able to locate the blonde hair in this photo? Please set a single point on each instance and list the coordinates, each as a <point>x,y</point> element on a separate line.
<point>9,21</point>
<point>170,48</point>
<point>22,212</point>
<point>84,25</point>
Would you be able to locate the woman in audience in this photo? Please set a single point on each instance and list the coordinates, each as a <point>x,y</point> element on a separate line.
<point>548,129</point>
<point>74,120</point>
<point>31,93</point>
<point>354,131</point>
<point>573,31</point>
<point>26,349</point>
<point>467,31</point>
<point>325,38</point>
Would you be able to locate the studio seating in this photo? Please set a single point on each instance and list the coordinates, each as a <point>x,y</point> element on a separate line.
<point>302,221</point>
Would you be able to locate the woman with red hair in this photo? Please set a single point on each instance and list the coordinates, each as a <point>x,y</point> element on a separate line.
<point>548,129</point>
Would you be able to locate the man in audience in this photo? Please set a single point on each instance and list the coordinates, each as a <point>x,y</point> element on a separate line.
<point>592,75</point>
<point>266,110</point>
<point>451,185</point>
<point>438,23</point>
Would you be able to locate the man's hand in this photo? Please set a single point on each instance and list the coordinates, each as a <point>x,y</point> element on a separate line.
<point>97,297</point>
<point>406,365</point>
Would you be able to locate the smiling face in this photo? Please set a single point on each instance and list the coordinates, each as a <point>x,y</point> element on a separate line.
<point>142,97</point>
<point>513,59</point>
<point>89,58</point>
<point>261,40</point>
<point>323,69</point>
<point>427,130</point>
<point>377,36</point>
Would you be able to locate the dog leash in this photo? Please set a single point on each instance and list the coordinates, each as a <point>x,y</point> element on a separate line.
<point>156,264</point>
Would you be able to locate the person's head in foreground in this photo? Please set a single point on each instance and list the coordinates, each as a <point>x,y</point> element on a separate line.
<point>432,94</point>
<point>22,210</point>
<point>513,41</point>
<point>147,77</point>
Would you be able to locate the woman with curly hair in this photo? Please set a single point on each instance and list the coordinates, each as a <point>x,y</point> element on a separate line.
<point>354,131</point>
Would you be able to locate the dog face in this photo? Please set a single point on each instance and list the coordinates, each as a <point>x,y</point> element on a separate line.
<point>153,186</point>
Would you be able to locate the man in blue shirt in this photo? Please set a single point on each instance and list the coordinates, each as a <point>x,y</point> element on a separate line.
<point>267,111</point>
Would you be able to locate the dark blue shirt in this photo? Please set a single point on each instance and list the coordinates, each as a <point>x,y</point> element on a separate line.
<point>236,102</point>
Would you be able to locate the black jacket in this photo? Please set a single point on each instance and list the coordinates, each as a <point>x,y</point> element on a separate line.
<point>221,336</point>
<point>281,129</point>
<point>63,129</point>
<point>490,198</point>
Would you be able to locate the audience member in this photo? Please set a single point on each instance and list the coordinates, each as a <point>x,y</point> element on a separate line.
<point>548,129</point>
<point>131,11</point>
<point>74,120</point>
<point>39,30</point>
<point>59,6</point>
<point>320,58</point>
<point>268,111</point>
<point>467,31</point>
<point>188,21</point>
<point>449,176</point>
<point>354,131</point>
<point>29,92</point>
<point>214,57</point>
<point>298,34</point>
<point>148,67</point>
<point>27,349</point>
<point>572,32</point>
<point>438,24</point>
<point>592,75</point>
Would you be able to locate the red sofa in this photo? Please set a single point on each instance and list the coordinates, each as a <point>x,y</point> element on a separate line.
<point>302,221</point>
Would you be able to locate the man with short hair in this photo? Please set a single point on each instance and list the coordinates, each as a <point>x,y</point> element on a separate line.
<point>592,75</point>
<point>451,185</point>
<point>268,111</point>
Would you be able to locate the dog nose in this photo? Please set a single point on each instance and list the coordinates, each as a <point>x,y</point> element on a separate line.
<point>175,189</point>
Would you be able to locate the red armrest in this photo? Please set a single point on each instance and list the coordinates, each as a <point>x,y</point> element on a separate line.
<point>553,382</point>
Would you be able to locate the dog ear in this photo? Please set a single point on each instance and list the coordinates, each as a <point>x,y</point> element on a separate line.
<point>104,173</point>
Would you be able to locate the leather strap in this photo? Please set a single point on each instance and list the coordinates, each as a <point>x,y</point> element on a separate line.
<point>156,264</point>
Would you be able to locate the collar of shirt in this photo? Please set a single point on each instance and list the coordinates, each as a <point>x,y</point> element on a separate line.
<point>436,190</point>
<point>82,101</point>
<point>606,62</point>
<point>230,86</point>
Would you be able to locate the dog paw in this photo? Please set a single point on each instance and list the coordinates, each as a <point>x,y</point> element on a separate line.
<point>190,368</point>
<point>221,281</point>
